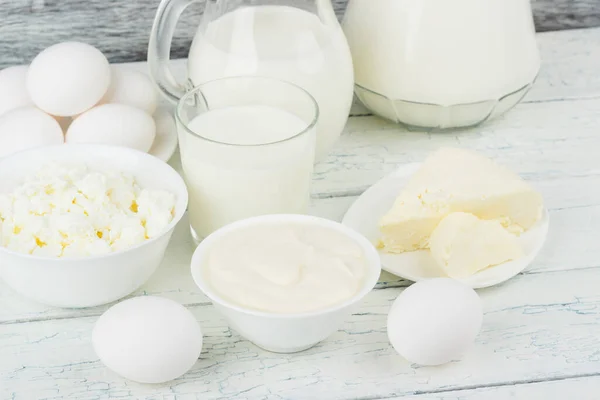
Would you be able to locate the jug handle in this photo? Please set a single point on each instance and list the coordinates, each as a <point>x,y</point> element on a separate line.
<point>159,47</point>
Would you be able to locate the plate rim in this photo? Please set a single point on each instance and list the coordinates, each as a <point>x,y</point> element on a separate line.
<point>170,133</point>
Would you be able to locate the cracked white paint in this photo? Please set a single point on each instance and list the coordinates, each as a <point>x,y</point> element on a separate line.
<point>541,335</point>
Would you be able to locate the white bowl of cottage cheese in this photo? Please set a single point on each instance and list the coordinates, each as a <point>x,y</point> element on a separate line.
<point>84,225</point>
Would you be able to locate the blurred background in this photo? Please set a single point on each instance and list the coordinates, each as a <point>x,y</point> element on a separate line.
<point>120,28</point>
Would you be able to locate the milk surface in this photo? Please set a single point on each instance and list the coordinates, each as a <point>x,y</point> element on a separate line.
<point>285,43</point>
<point>246,161</point>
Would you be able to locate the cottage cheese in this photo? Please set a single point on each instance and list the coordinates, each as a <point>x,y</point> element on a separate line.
<point>73,211</point>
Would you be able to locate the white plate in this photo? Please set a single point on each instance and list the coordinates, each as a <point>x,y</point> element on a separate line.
<point>165,142</point>
<point>364,214</point>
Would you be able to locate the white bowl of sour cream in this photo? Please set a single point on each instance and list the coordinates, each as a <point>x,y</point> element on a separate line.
<point>285,282</point>
<point>84,225</point>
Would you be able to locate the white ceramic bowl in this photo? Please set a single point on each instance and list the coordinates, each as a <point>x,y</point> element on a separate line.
<point>285,333</point>
<point>89,281</point>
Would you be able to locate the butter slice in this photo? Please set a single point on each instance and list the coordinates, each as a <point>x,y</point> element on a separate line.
<point>456,180</point>
<point>463,244</point>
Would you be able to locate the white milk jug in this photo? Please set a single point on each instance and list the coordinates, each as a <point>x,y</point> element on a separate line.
<point>299,41</point>
<point>441,63</point>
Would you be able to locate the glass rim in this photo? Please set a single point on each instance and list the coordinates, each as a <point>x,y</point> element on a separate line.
<point>198,89</point>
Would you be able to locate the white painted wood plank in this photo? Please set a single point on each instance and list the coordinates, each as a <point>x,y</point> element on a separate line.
<point>536,327</point>
<point>569,65</point>
<point>584,388</point>
<point>547,140</point>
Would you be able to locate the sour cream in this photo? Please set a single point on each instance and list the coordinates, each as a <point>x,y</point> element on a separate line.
<point>286,268</point>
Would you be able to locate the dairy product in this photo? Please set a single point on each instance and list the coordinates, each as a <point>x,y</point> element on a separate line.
<point>440,52</point>
<point>463,244</point>
<point>286,268</point>
<point>453,180</point>
<point>285,43</point>
<point>72,211</point>
<point>246,161</point>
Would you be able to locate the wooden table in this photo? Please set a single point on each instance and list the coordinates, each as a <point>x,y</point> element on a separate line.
<point>541,332</point>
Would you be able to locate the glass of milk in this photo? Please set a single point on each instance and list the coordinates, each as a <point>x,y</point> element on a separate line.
<point>247,147</point>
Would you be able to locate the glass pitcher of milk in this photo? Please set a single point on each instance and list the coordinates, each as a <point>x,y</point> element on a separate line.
<point>299,41</point>
<point>441,63</point>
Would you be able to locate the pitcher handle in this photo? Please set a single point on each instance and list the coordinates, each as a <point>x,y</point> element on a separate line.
<point>159,47</point>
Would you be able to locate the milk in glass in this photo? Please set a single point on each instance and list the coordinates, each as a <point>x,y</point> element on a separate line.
<point>247,160</point>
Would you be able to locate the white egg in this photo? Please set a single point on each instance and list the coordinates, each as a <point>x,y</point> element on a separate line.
<point>27,127</point>
<point>148,339</point>
<point>114,124</point>
<point>68,78</point>
<point>13,89</point>
<point>132,87</point>
<point>434,321</point>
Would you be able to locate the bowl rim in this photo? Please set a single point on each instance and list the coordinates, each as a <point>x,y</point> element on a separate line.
<point>370,252</point>
<point>149,159</point>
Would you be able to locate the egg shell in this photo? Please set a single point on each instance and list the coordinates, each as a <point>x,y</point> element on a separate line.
<point>148,339</point>
<point>27,127</point>
<point>114,124</point>
<point>68,78</point>
<point>13,88</point>
<point>131,87</point>
<point>434,321</point>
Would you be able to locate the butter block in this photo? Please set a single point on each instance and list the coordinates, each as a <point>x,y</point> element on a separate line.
<point>463,244</point>
<point>457,180</point>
